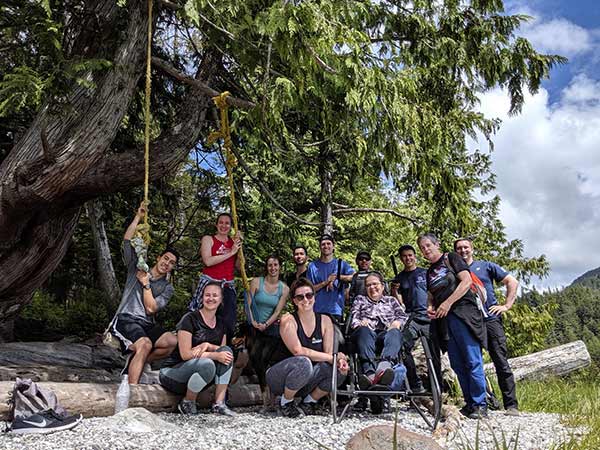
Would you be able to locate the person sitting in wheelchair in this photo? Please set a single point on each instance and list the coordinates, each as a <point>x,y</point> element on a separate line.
<point>377,322</point>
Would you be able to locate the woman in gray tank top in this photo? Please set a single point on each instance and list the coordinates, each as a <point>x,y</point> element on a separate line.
<point>307,370</point>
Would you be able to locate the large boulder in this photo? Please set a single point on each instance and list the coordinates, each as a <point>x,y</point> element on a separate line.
<point>381,437</point>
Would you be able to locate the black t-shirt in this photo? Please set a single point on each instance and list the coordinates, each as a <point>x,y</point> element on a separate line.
<point>357,285</point>
<point>193,322</point>
<point>291,277</point>
<point>442,281</point>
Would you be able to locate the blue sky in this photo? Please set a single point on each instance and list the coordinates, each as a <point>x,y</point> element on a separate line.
<point>547,159</point>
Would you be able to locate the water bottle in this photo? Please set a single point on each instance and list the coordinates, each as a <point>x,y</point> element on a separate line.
<point>122,398</point>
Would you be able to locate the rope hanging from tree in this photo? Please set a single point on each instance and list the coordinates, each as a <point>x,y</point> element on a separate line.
<point>230,162</point>
<point>141,239</point>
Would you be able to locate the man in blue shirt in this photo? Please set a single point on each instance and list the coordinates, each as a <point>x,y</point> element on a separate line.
<point>329,275</point>
<point>410,288</point>
<point>488,272</point>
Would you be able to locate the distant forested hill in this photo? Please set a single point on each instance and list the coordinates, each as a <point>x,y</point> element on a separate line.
<point>577,315</point>
<point>590,279</point>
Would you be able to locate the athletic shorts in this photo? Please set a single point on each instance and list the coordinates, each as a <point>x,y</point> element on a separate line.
<point>132,330</point>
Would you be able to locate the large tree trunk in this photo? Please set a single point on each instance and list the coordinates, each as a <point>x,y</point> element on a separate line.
<point>326,199</point>
<point>64,158</point>
<point>106,271</point>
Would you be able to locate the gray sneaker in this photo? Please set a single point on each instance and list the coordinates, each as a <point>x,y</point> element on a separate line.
<point>223,409</point>
<point>512,412</point>
<point>187,407</point>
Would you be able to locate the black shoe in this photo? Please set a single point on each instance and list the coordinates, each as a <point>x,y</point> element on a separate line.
<point>384,377</point>
<point>364,382</point>
<point>376,404</point>
<point>290,410</point>
<point>361,404</point>
<point>310,409</point>
<point>465,410</point>
<point>419,390</point>
<point>43,423</point>
<point>478,412</point>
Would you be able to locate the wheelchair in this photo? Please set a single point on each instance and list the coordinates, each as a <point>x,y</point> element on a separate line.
<point>353,392</point>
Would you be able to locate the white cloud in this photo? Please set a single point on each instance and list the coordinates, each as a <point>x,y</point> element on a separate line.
<point>547,162</point>
<point>558,36</point>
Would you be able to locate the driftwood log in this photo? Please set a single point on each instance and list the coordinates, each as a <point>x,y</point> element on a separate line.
<point>555,361</point>
<point>98,400</point>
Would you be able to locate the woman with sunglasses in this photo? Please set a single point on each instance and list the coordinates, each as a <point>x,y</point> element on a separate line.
<point>305,366</point>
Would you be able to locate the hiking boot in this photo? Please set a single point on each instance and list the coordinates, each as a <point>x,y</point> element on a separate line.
<point>384,377</point>
<point>512,411</point>
<point>290,410</point>
<point>310,409</point>
<point>361,404</point>
<point>418,390</point>
<point>187,407</point>
<point>465,410</point>
<point>223,409</point>
<point>365,381</point>
<point>478,412</point>
<point>44,422</point>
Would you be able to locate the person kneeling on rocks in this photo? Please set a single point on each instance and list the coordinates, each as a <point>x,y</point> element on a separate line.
<point>377,321</point>
<point>304,368</point>
<point>201,355</point>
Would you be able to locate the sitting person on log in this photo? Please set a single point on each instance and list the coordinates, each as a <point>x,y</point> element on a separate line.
<point>377,321</point>
<point>304,368</point>
<point>144,294</point>
<point>201,355</point>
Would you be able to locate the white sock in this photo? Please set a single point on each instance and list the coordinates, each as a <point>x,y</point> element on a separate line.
<point>284,401</point>
<point>309,399</point>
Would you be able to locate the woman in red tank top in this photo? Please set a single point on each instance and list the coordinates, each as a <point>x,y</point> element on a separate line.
<point>219,256</point>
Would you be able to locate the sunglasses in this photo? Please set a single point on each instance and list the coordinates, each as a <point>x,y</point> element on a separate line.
<point>307,296</point>
<point>364,258</point>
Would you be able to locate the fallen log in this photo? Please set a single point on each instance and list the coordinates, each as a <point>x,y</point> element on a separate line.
<point>555,361</point>
<point>98,400</point>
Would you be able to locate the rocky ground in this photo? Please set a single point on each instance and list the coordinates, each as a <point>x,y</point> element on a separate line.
<point>252,430</point>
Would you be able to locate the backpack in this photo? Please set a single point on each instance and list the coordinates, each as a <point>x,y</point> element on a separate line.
<point>477,287</point>
<point>28,398</point>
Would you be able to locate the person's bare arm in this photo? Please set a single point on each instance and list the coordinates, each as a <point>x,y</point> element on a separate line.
<point>464,285</point>
<point>512,285</point>
<point>130,231</point>
<point>210,260</point>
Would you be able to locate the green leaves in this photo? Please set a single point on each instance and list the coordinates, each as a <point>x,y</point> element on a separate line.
<point>20,89</point>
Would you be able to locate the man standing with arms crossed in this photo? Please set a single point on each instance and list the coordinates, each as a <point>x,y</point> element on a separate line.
<point>328,275</point>
<point>410,287</point>
<point>488,272</point>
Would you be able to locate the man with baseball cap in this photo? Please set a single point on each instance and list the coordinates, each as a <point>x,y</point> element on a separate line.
<point>357,285</point>
<point>328,275</point>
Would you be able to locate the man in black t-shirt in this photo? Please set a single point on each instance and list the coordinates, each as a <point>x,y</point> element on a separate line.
<point>300,256</point>
<point>410,288</point>
<point>357,285</point>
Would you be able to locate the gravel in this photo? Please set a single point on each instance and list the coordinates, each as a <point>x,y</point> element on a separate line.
<point>252,430</point>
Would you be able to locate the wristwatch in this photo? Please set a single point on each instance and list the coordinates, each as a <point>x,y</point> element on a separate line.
<point>147,286</point>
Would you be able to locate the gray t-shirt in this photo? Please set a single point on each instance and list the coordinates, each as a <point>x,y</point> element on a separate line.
<point>132,300</point>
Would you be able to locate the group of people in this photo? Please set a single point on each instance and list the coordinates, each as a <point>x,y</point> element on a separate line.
<point>294,352</point>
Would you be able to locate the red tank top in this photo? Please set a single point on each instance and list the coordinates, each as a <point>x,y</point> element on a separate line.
<point>223,270</point>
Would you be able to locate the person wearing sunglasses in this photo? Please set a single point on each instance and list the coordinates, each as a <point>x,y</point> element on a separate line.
<point>303,365</point>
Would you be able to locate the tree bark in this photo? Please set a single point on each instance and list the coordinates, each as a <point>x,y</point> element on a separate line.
<point>64,159</point>
<point>106,271</point>
<point>326,198</point>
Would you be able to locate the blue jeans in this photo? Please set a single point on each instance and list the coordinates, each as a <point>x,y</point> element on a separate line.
<point>367,341</point>
<point>464,351</point>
